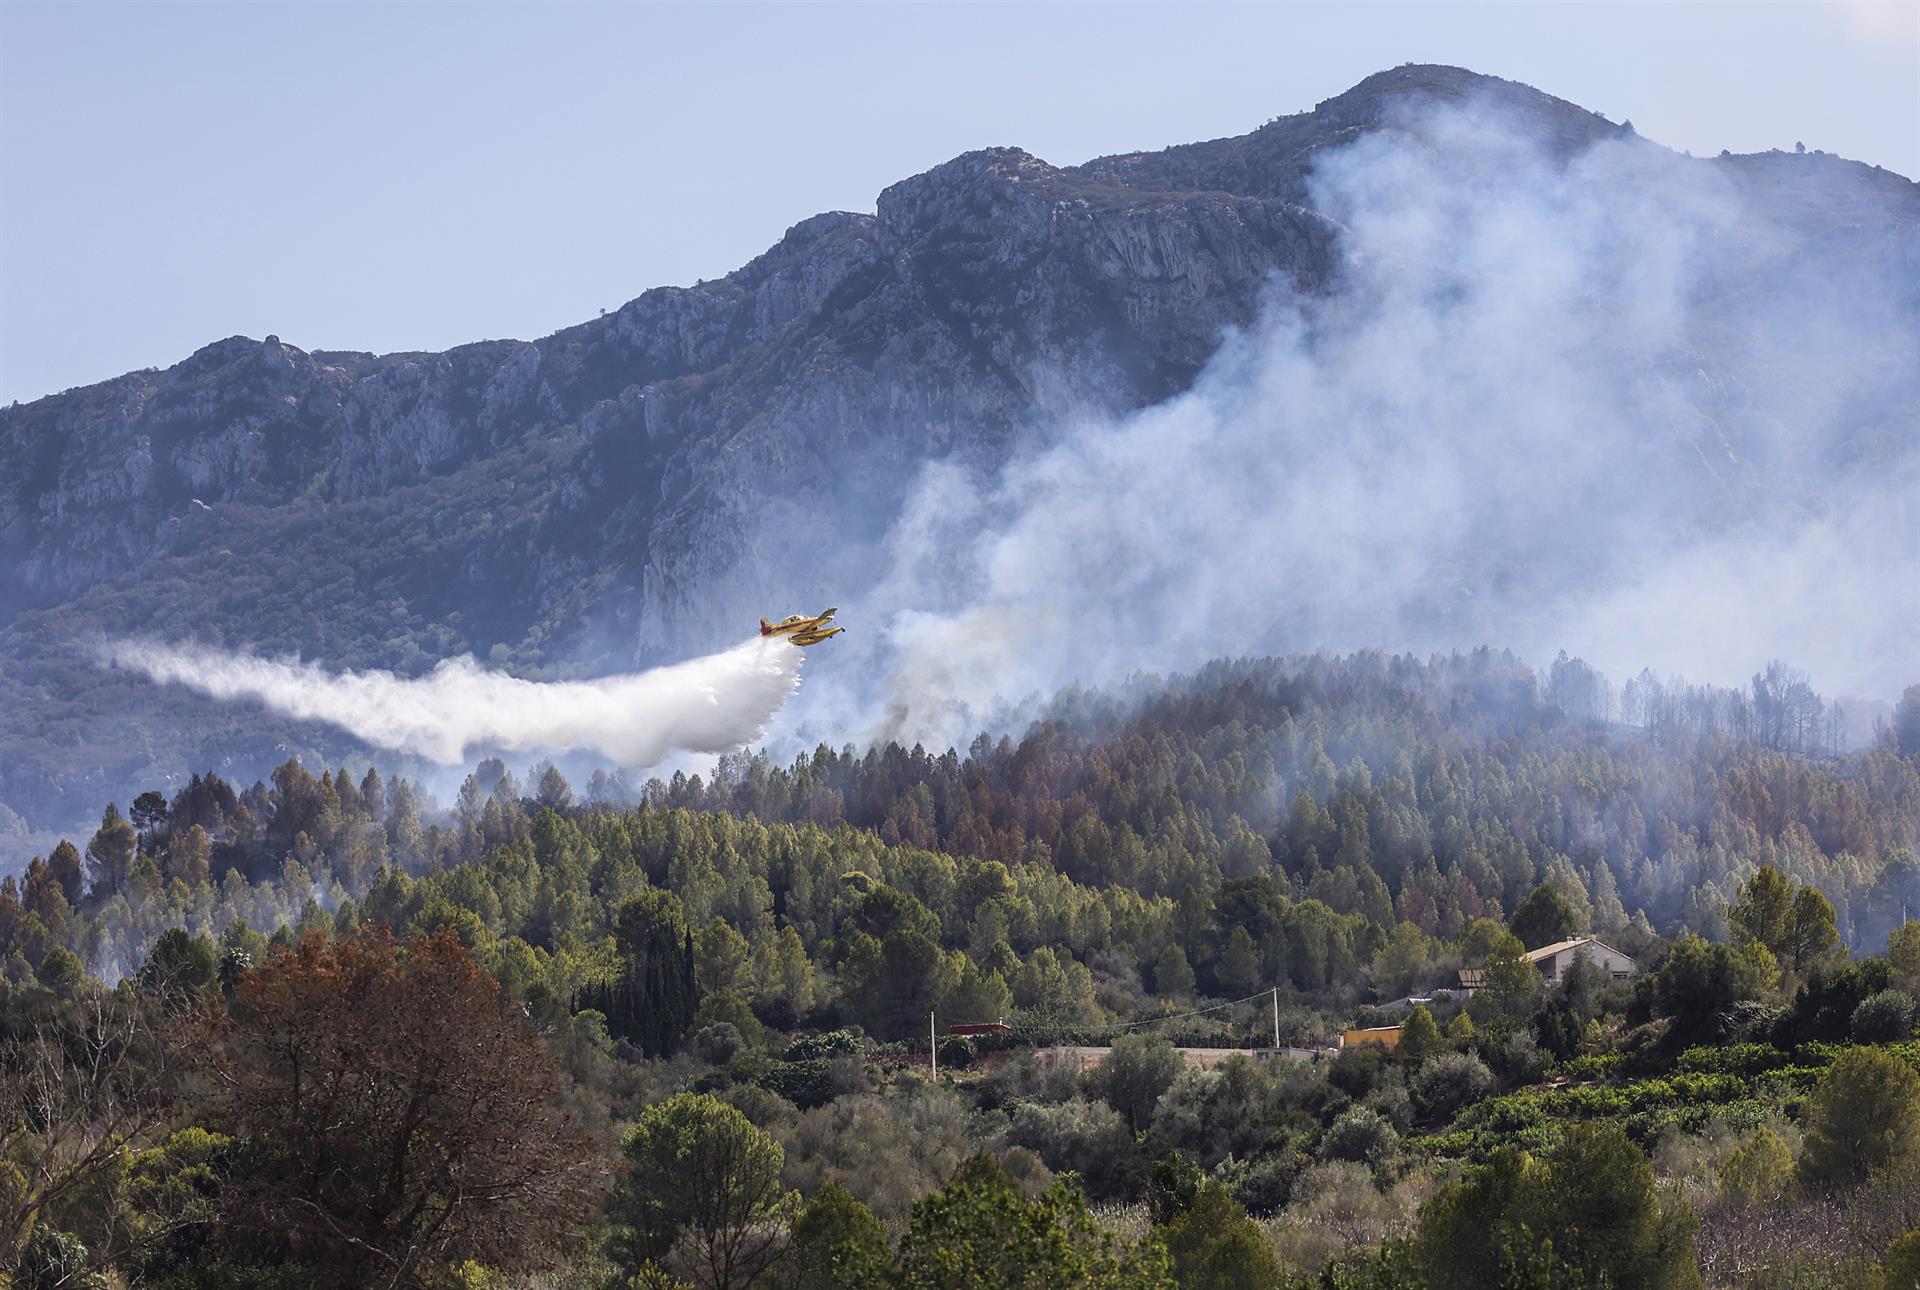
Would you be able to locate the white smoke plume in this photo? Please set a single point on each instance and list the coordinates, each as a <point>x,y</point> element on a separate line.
<point>1613,405</point>
<point>1500,427</point>
<point>706,705</point>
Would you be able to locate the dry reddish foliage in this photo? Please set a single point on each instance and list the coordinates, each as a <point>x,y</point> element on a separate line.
<point>400,1119</point>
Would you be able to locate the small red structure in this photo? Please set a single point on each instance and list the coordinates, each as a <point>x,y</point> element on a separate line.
<point>981,1028</point>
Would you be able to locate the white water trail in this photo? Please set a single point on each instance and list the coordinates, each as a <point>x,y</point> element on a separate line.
<point>705,705</point>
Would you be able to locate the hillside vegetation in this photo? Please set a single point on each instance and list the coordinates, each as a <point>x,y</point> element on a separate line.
<point>318,1030</point>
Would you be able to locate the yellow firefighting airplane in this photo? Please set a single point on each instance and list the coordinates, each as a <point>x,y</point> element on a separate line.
<point>801,630</point>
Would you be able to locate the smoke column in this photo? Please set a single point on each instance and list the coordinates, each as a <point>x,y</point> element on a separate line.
<point>706,705</point>
<point>1497,427</point>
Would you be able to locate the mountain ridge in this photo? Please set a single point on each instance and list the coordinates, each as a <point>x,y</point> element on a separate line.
<point>601,497</point>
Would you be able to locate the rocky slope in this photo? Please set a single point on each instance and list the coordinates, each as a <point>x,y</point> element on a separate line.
<point>628,489</point>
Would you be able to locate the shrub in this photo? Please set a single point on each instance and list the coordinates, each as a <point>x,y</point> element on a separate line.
<point>836,1244</point>
<point>982,1229</point>
<point>1596,1196</point>
<point>1362,1136</point>
<point>1823,1007</point>
<point>1865,1114</point>
<point>1089,1138</point>
<point>1883,1018</point>
<point>1133,1075</point>
<point>1900,1266</point>
<point>1393,1101</point>
<point>1419,1034</point>
<point>1355,1070</point>
<point>1449,1083</point>
<point>1214,1245</point>
<point>1758,1170</point>
<point>806,1084</point>
<point>1265,1185</point>
<point>1520,1059</point>
<point>1172,1184</point>
<point>1733,1059</point>
<point>833,1043</point>
<point>1749,1020</point>
<point>719,1043</point>
<point>1589,1066</point>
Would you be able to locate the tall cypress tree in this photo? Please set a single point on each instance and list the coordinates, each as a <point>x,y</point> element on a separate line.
<point>652,997</point>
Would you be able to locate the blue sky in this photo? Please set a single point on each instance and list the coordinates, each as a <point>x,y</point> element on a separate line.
<point>391,177</point>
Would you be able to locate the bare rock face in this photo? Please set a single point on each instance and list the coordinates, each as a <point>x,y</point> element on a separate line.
<point>605,494</point>
<point>989,290</point>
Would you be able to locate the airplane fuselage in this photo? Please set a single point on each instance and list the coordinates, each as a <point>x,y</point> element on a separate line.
<point>802,630</point>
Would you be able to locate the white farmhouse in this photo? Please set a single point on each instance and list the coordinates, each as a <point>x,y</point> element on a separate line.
<point>1553,960</point>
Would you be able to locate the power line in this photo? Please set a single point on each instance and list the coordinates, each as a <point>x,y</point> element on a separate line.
<point>1116,1027</point>
<point>1179,1016</point>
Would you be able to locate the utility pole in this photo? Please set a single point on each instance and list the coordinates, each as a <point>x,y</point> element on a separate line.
<point>933,1048</point>
<point>1276,1018</point>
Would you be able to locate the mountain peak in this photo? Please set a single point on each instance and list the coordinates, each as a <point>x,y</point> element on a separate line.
<point>1380,100</point>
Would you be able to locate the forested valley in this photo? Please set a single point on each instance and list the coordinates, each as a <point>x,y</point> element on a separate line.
<point>322,1031</point>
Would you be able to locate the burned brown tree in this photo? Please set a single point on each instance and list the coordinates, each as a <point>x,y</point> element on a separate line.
<point>397,1117</point>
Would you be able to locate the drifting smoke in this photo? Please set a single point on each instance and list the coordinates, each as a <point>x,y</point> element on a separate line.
<point>707,705</point>
<point>1498,428</point>
<point>1614,404</point>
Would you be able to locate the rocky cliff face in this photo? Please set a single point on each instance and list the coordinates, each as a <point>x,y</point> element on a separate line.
<point>614,493</point>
